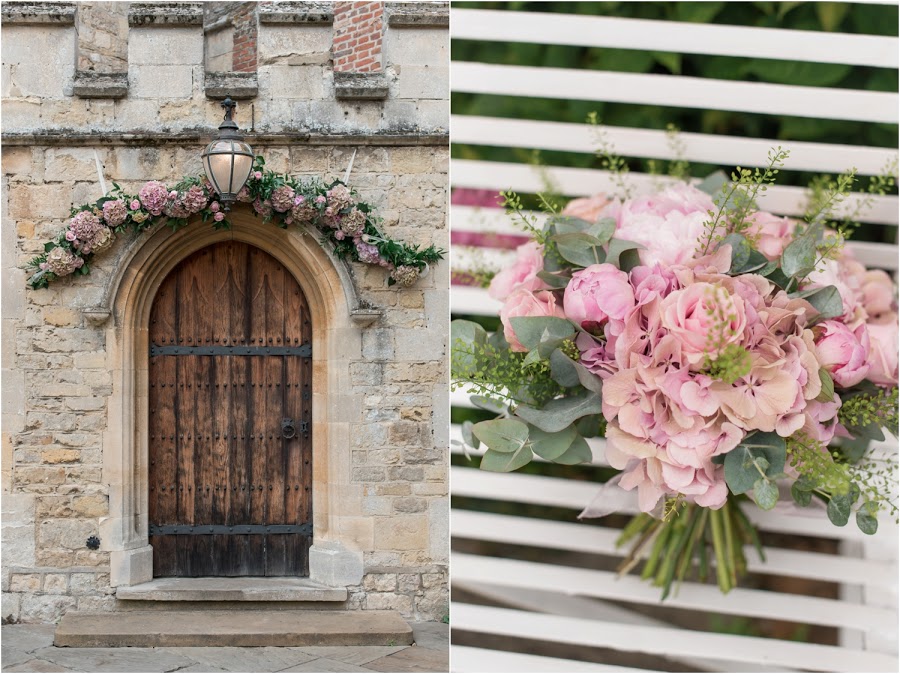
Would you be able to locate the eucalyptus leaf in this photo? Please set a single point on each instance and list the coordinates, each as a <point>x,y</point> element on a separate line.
<point>778,277</point>
<point>741,472</point>
<point>551,445</point>
<point>488,404</point>
<point>799,257</point>
<point>827,301</point>
<point>617,247</point>
<point>866,522</point>
<point>562,369</point>
<point>827,393</point>
<point>469,437</point>
<point>580,249</point>
<point>603,230</point>
<point>765,493</point>
<point>559,413</point>
<point>530,330</point>
<point>502,462</point>
<point>756,263</point>
<point>713,183</point>
<point>502,435</point>
<point>838,509</point>
<point>567,224</point>
<point>468,335</point>
<point>553,261</point>
<point>578,452</point>
<point>553,280</point>
<point>533,357</point>
<point>740,250</point>
<point>629,259</point>
<point>801,496</point>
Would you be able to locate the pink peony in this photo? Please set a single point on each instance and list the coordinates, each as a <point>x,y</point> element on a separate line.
<point>521,274</point>
<point>320,199</point>
<point>588,208</point>
<point>844,352</point>
<point>668,224</point>
<point>525,303</point>
<point>691,314</point>
<point>883,339</point>
<point>772,233</point>
<point>114,212</point>
<point>597,293</point>
<point>154,196</point>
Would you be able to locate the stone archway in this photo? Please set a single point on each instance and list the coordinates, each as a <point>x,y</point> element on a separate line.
<point>337,319</point>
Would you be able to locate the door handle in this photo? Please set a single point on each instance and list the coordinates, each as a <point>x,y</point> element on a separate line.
<point>288,429</point>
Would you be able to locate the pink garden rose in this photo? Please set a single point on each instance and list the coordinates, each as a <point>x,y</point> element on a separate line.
<point>844,352</point>
<point>521,274</point>
<point>525,303</point>
<point>597,293</point>
<point>883,342</point>
<point>668,224</point>
<point>689,314</point>
<point>772,233</point>
<point>590,209</point>
<point>219,216</point>
<point>878,296</point>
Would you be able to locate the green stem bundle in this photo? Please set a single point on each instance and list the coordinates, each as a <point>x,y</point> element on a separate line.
<point>680,545</point>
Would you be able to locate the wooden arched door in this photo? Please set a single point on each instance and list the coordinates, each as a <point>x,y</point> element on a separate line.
<point>230,392</point>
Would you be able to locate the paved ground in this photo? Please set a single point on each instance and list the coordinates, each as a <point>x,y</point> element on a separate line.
<point>29,648</point>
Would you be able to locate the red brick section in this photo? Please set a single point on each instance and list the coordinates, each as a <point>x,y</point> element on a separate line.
<point>243,59</point>
<point>358,31</point>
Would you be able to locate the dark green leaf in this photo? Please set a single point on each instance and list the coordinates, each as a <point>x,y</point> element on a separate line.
<point>865,517</point>
<point>559,413</point>
<point>838,509</point>
<point>502,435</point>
<point>617,247</point>
<point>501,462</point>
<point>801,497</point>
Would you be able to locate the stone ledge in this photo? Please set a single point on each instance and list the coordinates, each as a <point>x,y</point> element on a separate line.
<point>231,589</point>
<point>240,86</point>
<point>100,85</point>
<point>289,137</point>
<point>297,12</point>
<point>165,14</point>
<point>360,86</point>
<point>418,14</point>
<point>31,13</point>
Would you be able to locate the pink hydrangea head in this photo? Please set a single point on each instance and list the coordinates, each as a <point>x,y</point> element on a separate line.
<point>339,197</point>
<point>697,311</point>
<point>194,199</point>
<point>668,224</point>
<point>843,352</point>
<point>114,212</point>
<point>353,223</point>
<point>521,274</point>
<point>153,196</point>
<point>85,225</point>
<point>598,293</point>
<point>244,195</point>
<point>526,303</point>
<point>884,345</point>
<point>283,198</point>
<point>62,262</point>
<point>263,208</point>
<point>590,209</point>
<point>368,253</point>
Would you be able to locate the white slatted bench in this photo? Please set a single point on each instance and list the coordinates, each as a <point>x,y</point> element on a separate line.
<point>534,600</point>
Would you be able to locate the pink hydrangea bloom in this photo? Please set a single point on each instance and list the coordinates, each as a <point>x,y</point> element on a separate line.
<point>153,196</point>
<point>114,212</point>
<point>283,198</point>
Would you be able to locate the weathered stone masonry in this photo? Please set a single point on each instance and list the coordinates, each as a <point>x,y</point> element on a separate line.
<point>131,88</point>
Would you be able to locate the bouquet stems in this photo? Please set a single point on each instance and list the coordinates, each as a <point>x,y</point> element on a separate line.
<point>680,544</point>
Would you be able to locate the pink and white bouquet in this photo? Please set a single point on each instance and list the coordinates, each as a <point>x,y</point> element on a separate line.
<point>726,354</point>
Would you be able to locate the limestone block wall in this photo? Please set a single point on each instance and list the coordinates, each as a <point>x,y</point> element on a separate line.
<point>57,384</point>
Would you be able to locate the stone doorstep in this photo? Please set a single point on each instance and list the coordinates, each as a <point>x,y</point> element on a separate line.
<point>231,589</point>
<point>244,628</point>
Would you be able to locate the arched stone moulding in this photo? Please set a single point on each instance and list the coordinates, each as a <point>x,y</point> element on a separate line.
<point>337,340</point>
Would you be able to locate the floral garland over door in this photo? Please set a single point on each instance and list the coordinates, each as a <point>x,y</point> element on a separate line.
<point>348,226</point>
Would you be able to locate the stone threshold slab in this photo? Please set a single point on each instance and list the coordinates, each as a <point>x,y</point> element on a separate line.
<point>231,589</point>
<point>246,628</point>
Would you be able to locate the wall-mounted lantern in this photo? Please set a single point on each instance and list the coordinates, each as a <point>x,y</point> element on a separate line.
<point>228,159</point>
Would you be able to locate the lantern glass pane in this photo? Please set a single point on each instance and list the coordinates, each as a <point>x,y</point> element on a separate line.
<point>242,165</point>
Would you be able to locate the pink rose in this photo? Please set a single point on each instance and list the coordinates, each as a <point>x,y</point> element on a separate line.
<point>525,303</point>
<point>588,208</point>
<point>320,199</point>
<point>773,233</point>
<point>844,352</point>
<point>135,205</point>
<point>597,293</point>
<point>521,274</point>
<point>695,315</point>
<point>883,337</point>
<point>70,235</point>
<point>668,224</point>
<point>257,175</point>
<point>214,207</point>
<point>218,217</point>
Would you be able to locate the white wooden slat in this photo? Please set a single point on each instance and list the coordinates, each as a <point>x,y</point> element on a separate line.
<point>674,36</point>
<point>573,494</point>
<point>474,301</point>
<point>694,596</point>
<point>668,642</point>
<point>578,537</point>
<point>470,659</point>
<point>781,199</point>
<point>726,151</point>
<point>675,91</point>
